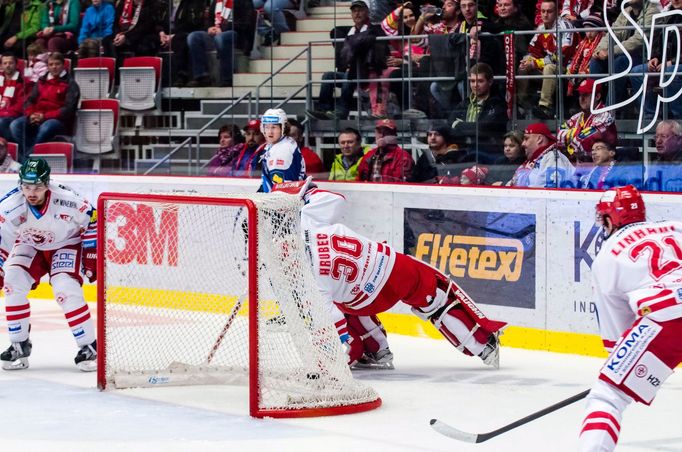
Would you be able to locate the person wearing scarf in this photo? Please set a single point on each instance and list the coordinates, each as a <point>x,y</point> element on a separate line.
<point>59,25</point>
<point>545,166</point>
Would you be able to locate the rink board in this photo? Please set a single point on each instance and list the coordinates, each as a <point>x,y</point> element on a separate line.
<point>522,255</point>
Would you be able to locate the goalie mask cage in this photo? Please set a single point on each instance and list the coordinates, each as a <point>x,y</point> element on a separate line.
<point>218,289</point>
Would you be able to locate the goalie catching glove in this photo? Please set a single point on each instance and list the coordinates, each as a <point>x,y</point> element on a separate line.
<point>90,263</point>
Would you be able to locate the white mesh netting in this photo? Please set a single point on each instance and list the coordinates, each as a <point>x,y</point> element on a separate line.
<point>175,309</point>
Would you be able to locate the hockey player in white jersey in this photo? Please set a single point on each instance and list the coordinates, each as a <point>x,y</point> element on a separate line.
<point>363,278</point>
<point>282,159</point>
<point>637,282</point>
<point>46,229</point>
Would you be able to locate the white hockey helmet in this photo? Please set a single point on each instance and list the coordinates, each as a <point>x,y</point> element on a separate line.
<point>273,116</point>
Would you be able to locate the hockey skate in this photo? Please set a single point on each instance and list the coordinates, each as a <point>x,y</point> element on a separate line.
<point>16,356</point>
<point>491,353</point>
<point>383,359</point>
<point>86,359</point>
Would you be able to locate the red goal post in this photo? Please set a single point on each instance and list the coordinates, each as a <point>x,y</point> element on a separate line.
<point>218,289</point>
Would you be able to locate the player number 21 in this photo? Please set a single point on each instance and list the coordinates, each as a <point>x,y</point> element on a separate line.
<point>658,267</point>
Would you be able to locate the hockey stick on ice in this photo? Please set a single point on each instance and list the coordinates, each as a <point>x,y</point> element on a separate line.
<point>228,323</point>
<point>451,432</point>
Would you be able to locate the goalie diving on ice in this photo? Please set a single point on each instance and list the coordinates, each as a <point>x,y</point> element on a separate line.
<point>361,277</point>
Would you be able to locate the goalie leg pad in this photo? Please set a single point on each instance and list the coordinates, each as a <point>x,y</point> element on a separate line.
<point>69,296</point>
<point>601,425</point>
<point>461,330</point>
<point>370,330</point>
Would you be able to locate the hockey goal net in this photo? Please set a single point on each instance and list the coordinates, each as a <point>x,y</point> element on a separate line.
<point>217,289</point>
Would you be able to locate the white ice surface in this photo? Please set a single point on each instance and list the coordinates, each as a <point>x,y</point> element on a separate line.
<point>52,406</point>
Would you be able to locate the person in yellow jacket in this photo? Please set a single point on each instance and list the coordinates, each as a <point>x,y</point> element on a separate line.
<point>345,165</point>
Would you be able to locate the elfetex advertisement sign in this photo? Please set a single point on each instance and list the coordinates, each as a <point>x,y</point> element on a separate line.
<point>490,254</point>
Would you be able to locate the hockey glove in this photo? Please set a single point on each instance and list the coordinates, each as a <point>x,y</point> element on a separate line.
<point>90,263</point>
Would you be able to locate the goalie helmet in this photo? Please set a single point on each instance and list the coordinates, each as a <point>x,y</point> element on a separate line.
<point>34,171</point>
<point>273,116</point>
<point>623,205</point>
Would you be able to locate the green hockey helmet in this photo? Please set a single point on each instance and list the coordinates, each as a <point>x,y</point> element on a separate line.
<point>34,171</point>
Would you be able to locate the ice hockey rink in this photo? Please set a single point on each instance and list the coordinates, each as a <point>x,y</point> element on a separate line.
<point>53,407</point>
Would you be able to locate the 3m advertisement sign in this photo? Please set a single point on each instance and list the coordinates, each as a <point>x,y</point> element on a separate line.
<point>490,254</point>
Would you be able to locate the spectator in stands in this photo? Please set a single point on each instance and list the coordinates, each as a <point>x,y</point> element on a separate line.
<point>545,165</point>
<point>49,110</point>
<point>313,162</point>
<point>30,26</point>
<point>543,58</point>
<point>59,25</point>
<point>510,18</point>
<point>607,171</point>
<point>575,11</point>
<point>480,50</point>
<point>406,56</point>
<point>504,167</point>
<point>578,133</point>
<point>230,141</point>
<point>225,30</point>
<point>445,158</point>
<point>247,163</point>
<point>274,10</point>
<point>187,18</point>
<point>476,175</point>
<point>12,93</point>
<point>641,11</point>
<point>7,163</point>
<point>97,26</point>
<point>664,173</point>
<point>655,64</point>
<point>136,32</point>
<point>36,64</point>
<point>580,63</point>
<point>387,162</point>
<point>346,162</point>
<point>10,18</point>
<point>439,22</point>
<point>360,57</point>
<point>483,115</point>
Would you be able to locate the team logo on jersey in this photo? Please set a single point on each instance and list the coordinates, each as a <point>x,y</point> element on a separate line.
<point>369,287</point>
<point>641,371</point>
<point>60,298</point>
<point>355,290</point>
<point>37,237</point>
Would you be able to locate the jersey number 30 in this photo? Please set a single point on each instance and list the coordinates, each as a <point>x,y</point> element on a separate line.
<point>349,249</point>
<point>658,267</point>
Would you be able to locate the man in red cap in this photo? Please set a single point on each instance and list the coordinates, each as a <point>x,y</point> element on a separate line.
<point>545,165</point>
<point>578,134</point>
<point>387,162</point>
<point>246,163</point>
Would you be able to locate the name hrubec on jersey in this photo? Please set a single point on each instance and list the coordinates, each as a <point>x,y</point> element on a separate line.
<point>488,258</point>
<point>638,234</point>
<point>141,236</point>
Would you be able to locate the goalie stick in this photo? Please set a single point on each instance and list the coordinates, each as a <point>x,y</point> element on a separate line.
<point>451,432</point>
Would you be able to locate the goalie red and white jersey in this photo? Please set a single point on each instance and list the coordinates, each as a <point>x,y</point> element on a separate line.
<point>637,273</point>
<point>64,219</point>
<point>349,268</point>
